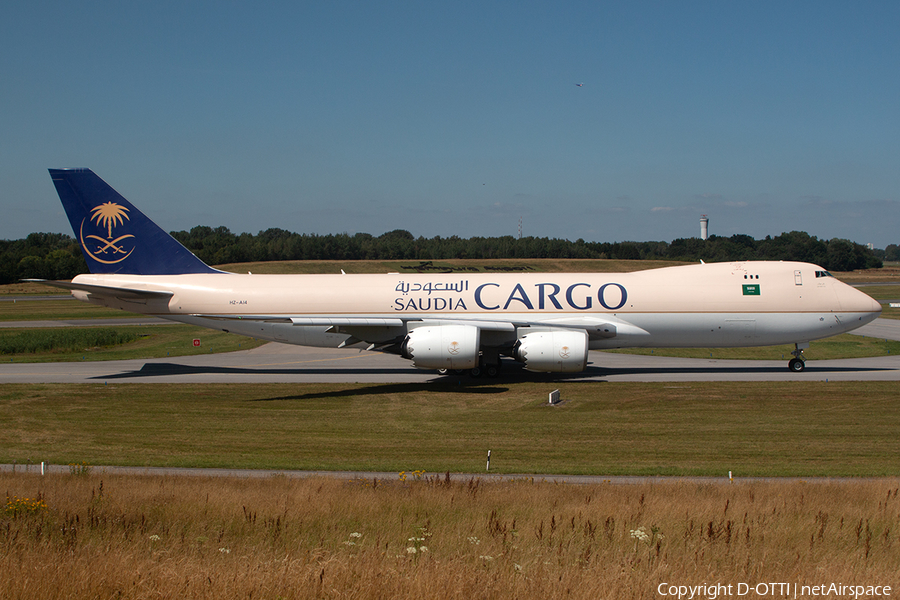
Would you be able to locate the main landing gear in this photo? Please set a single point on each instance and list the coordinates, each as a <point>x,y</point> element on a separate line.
<point>798,363</point>
<point>488,367</point>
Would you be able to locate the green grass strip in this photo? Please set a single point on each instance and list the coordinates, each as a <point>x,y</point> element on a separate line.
<point>63,339</point>
<point>152,341</point>
<point>761,429</point>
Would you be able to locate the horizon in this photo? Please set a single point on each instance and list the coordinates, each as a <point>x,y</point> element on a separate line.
<point>376,236</point>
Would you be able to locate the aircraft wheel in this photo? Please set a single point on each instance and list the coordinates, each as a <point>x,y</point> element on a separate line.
<point>796,365</point>
<point>459,371</point>
<point>475,372</point>
<point>443,371</point>
<point>492,370</point>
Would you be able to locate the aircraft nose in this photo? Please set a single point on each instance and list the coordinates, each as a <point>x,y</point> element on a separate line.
<point>853,300</point>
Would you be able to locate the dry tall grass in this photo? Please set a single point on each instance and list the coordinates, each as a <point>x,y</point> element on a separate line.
<point>102,536</point>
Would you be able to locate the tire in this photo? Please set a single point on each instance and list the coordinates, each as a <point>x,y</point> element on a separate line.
<point>796,365</point>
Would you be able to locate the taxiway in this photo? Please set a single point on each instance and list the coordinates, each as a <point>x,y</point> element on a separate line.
<point>281,363</point>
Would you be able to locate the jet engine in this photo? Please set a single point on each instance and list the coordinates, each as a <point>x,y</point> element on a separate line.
<point>555,351</point>
<point>442,347</point>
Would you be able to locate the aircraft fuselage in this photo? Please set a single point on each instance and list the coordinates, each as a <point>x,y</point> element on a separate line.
<point>706,305</point>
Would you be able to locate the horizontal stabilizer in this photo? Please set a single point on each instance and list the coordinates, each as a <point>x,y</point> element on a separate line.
<point>106,290</point>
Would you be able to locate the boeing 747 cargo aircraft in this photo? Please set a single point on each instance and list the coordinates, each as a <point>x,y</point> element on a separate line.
<point>453,322</point>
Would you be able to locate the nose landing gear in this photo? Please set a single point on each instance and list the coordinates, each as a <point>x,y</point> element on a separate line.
<point>798,363</point>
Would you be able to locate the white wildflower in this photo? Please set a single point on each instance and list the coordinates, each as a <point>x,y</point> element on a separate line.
<point>225,550</point>
<point>154,538</point>
<point>474,540</point>
<point>355,535</point>
<point>423,548</point>
<point>640,534</point>
<point>649,538</point>
<point>411,550</point>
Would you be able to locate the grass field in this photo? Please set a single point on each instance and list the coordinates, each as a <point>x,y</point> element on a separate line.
<point>890,273</point>
<point>86,536</point>
<point>54,310</point>
<point>763,429</point>
<point>154,341</point>
<point>881,292</point>
<point>40,341</point>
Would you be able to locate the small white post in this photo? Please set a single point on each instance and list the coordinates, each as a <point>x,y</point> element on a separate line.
<point>488,468</point>
<point>42,467</point>
<point>730,478</point>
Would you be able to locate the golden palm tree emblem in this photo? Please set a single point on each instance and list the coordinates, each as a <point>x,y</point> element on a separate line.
<point>109,214</point>
<point>108,251</point>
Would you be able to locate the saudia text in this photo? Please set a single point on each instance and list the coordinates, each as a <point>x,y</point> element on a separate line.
<point>494,296</point>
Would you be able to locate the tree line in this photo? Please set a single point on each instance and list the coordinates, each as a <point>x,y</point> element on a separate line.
<point>58,256</point>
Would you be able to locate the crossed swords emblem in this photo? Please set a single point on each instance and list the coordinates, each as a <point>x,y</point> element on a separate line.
<point>109,244</point>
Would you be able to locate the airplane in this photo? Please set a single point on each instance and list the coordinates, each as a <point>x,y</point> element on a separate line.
<point>455,322</point>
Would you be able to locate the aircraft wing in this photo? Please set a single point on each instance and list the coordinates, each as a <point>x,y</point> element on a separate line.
<point>377,328</point>
<point>557,343</point>
<point>360,321</point>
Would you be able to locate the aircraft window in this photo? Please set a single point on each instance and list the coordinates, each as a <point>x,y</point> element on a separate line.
<point>823,274</point>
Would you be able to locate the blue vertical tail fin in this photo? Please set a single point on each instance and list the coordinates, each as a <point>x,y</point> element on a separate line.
<point>116,237</point>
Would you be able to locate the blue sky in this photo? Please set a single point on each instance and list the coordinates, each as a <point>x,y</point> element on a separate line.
<point>460,118</point>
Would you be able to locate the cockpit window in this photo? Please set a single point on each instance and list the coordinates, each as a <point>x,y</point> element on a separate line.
<point>823,274</point>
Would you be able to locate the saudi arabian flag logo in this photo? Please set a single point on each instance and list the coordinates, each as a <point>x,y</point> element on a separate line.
<point>751,289</point>
<point>108,250</point>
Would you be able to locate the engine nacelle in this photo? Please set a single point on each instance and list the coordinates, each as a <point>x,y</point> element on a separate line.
<point>557,351</point>
<point>443,347</point>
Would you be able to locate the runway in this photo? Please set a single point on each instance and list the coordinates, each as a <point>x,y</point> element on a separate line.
<point>280,363</point>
